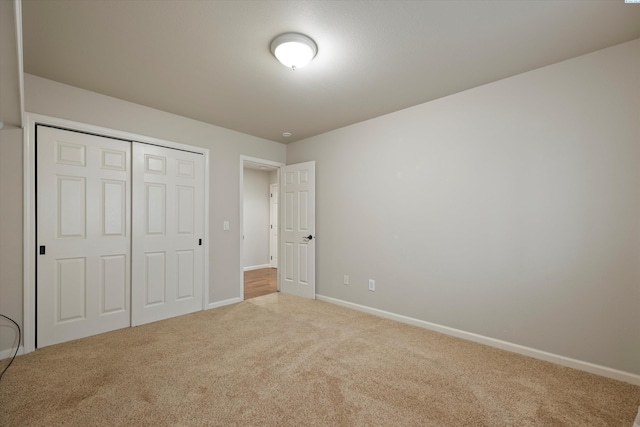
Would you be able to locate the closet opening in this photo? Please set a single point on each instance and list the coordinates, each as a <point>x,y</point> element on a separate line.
<point>115,227</point>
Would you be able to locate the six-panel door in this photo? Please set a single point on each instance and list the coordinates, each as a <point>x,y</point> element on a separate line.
<point>297,228</point>
<point>168,224</point>
<point>83,221</point>
<point>120,234</point>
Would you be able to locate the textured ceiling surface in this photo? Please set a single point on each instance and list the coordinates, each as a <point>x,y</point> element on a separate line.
<point>10,105</point>
<point>210,60</point>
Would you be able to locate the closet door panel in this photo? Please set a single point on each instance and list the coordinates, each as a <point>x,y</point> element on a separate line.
<point>168,224</point>
<point>83,231</point>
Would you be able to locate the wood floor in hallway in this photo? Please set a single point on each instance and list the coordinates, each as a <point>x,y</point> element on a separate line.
<point>260,282</point>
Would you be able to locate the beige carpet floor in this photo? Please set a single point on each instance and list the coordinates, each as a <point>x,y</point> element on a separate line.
<point>278,360</point>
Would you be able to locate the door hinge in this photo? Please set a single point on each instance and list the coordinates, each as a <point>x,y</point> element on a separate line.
<point>42,250</point>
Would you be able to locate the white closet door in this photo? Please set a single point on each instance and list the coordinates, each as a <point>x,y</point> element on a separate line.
<point>168,224</point>
<point>83,223</point>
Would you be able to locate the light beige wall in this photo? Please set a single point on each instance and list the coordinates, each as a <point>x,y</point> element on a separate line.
<point>10,180</point>
<point>58,100</point>
<point>10,233</point>
<point>256,217</point>
<point>511,210</point>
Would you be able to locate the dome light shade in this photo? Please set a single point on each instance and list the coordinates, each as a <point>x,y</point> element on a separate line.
<point>293,50</point>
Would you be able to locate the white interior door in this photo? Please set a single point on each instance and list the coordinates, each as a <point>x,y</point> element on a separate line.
<point>298,225</point>
<point>83,223</point>
<point>273,231</point>
<point>168,224</point>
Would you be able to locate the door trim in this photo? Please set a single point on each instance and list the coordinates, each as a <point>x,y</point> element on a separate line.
<point>29,203</point>
<point>265,162</point>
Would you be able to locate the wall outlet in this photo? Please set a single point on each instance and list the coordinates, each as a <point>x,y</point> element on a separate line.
<point>372,285</point>
<point>225,225</point>
<point>346,279</point>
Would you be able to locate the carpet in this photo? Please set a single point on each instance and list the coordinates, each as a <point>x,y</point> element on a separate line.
<point>278,360</point>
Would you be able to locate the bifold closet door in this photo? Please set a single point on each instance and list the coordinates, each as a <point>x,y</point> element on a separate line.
<point>83,235</point>
<point>168,224</point>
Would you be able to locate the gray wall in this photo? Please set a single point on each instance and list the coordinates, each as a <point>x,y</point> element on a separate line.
<point>55,99</point>
<point>58,100</point>
<point>511,210</point>
<point>256,217</point>
<point>10,233</point>
<point>10,179</point>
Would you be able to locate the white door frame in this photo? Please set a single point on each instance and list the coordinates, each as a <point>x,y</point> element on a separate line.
<point>265,162</point>
<point>29,194</point>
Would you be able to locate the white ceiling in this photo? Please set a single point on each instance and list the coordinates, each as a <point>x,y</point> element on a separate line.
<point>10,106</point>
<point>210,60</point>
<point>258,166</point>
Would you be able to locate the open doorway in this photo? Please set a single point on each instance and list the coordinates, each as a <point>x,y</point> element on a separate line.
<point>259,222</point>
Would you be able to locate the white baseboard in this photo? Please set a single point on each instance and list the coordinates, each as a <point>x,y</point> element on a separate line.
<point>504,345</point>
<point>223,303</point>
<point>7,354</point>
<point>257,267</point>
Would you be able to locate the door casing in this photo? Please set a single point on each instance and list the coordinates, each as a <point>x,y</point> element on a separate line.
<point>264,162</point>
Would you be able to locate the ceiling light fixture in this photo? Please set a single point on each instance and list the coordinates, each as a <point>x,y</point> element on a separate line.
<point>294,50</point>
